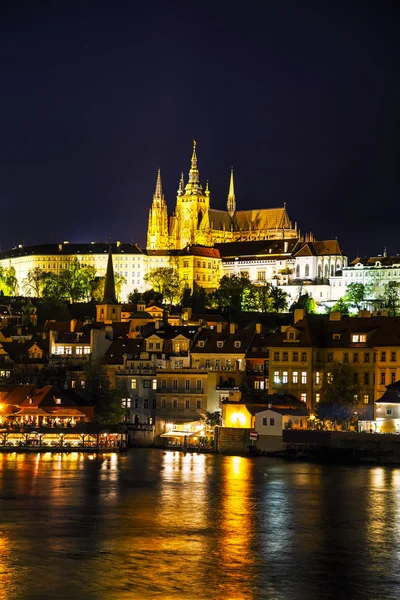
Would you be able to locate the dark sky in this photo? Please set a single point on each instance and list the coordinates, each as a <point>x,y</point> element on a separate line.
<point>302,98</point>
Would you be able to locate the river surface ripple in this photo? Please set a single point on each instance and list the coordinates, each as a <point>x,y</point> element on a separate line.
<point>154,524</point>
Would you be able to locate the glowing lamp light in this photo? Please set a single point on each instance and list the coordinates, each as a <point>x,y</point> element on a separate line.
<point>169,426</point>
<point>238,418</point>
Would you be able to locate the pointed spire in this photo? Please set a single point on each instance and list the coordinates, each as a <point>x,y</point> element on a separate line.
<point>158,193</point>
<point>231,196</point>
<point>181,188</point>
<point>193,183</point>
<point>109,284</point>
<point>207,190</point>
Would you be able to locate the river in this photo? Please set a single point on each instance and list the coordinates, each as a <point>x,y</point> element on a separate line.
<point>154,524</point>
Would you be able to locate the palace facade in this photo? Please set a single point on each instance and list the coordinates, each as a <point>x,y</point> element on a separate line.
<point>194,222</point>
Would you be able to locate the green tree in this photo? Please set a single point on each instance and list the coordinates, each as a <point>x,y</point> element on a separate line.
<point>340,386</point>
<point>264,301</point>
<point>306,302</point>
<point>341,306</point>
<point>73,284</point>
<point>212,418</point>
<point>279,299</point>
<point>108,401</point>
<point>231,292</point>
<point>34,282</point>
<point>8,281</point>
<point>97,291</point>
<point>391,296</point>
<point>165,280</point>
<point>134,297</point>
<point>355,294</point>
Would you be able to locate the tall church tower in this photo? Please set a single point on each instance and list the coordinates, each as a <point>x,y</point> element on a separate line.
<point>231,204</point>
<point>109,311</point>
<point>191,206</point>
<point>157,231</point>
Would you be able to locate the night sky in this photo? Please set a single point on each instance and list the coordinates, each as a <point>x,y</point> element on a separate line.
<point>302,98</point>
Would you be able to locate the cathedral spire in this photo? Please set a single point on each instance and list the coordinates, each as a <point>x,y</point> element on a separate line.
<point>193,183</point>
<point>158,193</point>
<point>109,284</point>
<point>231,204</point>
<point>181,188</point>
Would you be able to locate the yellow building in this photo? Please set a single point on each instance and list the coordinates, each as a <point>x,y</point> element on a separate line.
<point>195,222</point>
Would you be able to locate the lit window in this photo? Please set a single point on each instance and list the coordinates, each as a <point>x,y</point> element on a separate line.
<point>57,400</point>
<point>284,377</point>
<point>133,384</point>
<point>154,384</point>
<point>366,398</point>
<point>304,377</point>
<point>303,397</point>
<point>79,350</point>
<point>276,377</point>
<point>317,398</point>
<point>68,349</point>
<point>317,377</point>
<point>86,350</point>
<point>295,377</point>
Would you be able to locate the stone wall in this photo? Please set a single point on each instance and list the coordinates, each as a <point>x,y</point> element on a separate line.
<point>231,440</point>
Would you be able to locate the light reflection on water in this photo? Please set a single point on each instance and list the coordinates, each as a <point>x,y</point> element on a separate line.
<point>169,525</point>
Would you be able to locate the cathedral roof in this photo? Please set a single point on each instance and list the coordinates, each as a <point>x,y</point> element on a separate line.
<point>246,220</point>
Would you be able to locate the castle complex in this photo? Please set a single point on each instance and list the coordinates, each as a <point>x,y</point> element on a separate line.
<point>194,222</point>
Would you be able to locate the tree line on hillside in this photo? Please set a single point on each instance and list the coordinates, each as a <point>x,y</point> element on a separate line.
<point>234,294</point>
<point>356,297</point>
<point>78,282</point>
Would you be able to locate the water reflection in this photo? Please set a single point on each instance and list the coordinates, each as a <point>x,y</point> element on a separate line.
<point>165,524</point>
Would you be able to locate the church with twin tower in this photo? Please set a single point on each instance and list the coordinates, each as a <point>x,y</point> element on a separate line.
<point>194,222</point>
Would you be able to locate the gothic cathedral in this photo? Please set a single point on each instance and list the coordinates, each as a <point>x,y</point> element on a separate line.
<point>194,222</point>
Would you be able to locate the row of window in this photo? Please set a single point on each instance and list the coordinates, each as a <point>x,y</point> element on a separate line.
<point>69,349</point>
<point>199,384</point>
<point>295,356</point>
<point>175,403</point>
<point>147,383</point>
<point>284,377</point>
<point>135,403</point>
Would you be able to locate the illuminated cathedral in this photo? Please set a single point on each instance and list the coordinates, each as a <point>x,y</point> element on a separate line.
<point>194,222</point>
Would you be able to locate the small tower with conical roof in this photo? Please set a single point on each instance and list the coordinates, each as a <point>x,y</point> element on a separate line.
<point>231,204</point>
<point>157,231</point>
<point>109,311</point>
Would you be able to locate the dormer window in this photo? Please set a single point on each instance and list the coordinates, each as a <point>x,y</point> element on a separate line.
<point>57,400</point>
<point>201,344</point>
<point>220,344</point>
<point>237,344</point>
<point>291,335</point>
<point>359,338</point>
<point>336,336</point>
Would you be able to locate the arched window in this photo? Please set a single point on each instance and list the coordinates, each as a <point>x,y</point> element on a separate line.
<point>307,271</point>
<point>319,271</point>
<point>298,271</point>
<point>331,270</point>
<point>326,273</point>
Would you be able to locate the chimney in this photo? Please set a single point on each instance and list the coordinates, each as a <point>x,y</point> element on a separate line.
<point>219,327</point>
<point>72,325</point>
<point>165,317</point>
<point>364,314</point>
<point>335,315</point>
<point>157,324</point>
<point>298,315</point>
<point>269,405</point>
<point>232,328</point>
<point>258,327</point>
